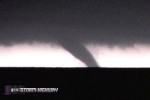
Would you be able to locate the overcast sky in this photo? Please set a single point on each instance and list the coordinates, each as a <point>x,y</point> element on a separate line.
<point>124,23</point>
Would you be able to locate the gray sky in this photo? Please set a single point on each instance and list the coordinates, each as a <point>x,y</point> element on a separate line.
<point>104,21</point>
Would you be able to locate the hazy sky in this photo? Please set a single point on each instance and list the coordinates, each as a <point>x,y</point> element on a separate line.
<point>124,23</point>
<point>48,55</point>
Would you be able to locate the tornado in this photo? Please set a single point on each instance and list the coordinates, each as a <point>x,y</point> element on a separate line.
<point>77,49</point>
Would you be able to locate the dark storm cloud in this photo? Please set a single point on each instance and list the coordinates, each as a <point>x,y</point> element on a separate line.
<point>104,21</point>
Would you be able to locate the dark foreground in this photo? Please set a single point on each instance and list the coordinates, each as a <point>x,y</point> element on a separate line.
<point>79,82</point>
